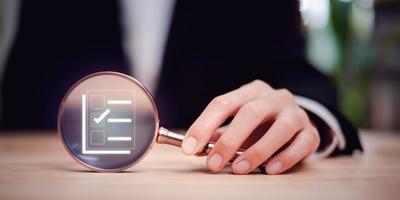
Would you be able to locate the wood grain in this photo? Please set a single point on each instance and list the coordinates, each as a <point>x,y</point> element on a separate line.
<point>36,166</point>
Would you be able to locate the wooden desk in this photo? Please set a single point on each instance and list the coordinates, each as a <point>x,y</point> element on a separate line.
<point>36,166</point>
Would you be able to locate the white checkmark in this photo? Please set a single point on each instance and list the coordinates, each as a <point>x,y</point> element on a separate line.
<point>102,116</point>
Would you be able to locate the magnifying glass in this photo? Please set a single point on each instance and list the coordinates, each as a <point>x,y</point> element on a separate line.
<point>108,122</point>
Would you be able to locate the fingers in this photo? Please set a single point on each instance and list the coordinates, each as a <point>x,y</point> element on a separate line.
<point>253,105</point>
<point>248,118</point>
<point>216,113</point>
<point>217,134</point>
<point>283,129</point>
<point>304,144</point>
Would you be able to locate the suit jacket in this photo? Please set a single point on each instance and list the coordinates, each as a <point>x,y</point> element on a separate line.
<point>213,47</point>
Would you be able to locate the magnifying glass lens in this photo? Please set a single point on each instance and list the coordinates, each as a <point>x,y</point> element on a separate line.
<point>108,121</point>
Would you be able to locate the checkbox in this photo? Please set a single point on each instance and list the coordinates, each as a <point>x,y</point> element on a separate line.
<point>97,102</point>
<point>93,123</point>
<point>97,137</point>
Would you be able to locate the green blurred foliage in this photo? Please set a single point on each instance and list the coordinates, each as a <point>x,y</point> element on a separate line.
<point>353,71</point>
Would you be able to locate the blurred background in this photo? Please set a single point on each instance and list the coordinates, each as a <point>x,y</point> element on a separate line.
<point>357,42</point>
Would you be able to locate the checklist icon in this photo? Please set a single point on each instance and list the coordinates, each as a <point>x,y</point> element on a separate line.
<point>108,122</point>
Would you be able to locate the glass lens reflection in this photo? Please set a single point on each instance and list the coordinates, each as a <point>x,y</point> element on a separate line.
<point>108,121</point>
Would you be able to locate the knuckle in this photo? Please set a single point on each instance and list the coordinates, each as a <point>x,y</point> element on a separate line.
<point>271,101</point>
<point>288,158</point>
<point>314,134</point>
<point>286,94</point>
<point>288,124</point>
<point>252,109</point>
<point>257,154</point>
<point>221,101</point>
<point>311,138</point>
<point>303,114</point>
<point>314,131</point>
<point>300,115</point>
<point>259,84</point>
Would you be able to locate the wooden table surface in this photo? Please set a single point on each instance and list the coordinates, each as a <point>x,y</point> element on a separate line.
<point>36,166</point>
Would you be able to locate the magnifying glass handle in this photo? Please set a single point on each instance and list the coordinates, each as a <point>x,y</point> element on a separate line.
<point>168,137</point>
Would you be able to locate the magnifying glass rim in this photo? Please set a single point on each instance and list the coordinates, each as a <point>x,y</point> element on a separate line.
<point>61,109</point>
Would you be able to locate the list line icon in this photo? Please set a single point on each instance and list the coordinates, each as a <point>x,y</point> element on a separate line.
<point>108,122</point>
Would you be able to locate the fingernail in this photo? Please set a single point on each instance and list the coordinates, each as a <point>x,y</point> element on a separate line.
<point>215,161</point>
<point>242,167</point>
<point>189,145</point>
<point>275,167</point>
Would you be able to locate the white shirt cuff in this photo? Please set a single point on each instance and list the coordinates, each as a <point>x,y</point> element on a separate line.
<point>322,112</point>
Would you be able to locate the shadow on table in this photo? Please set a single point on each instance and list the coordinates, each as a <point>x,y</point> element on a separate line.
<point>203,170</point>
<point>227,170</point>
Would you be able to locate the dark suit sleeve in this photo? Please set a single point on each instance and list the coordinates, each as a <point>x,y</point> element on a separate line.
<point>298,76</point>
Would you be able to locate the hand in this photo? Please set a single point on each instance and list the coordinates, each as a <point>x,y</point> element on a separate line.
<point>289,138</point>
